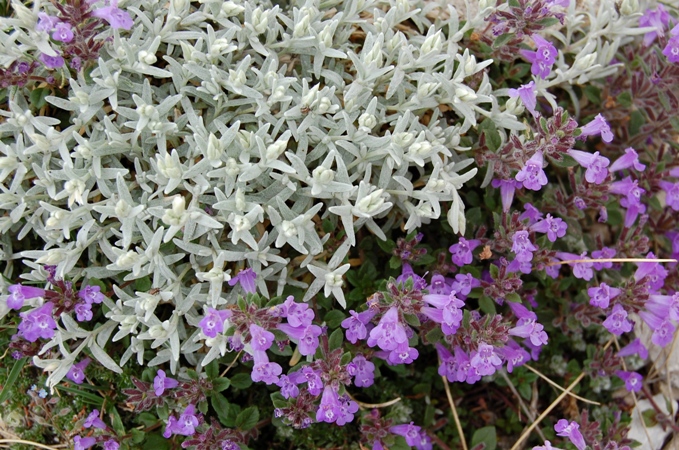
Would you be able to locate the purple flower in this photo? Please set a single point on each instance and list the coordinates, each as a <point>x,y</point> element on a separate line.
<point>80,443</point>
<point>93,420</point>
<point>532,176</point>
<point>306,337</point>
<point>547,446</point>
<point>347,409</point>
<point>617,322</point>
<point>407,272</point>
<point>288,387</point>
<point>62,32</point>
<point>629,188</point>
<point>213,322</point>
<point>77,371</point>
<point>409,431</point>
<point>663,329</point>
<point>91,294</point>
<point>542,58</point>
<point>582,269</point>
<point>311,378</point>
<point>362,370</point>
<point>299,314</point>
<point>596,165</point>
<point>111,444</point>
<point>52,62</point>
<point>46,23</point>
<point>438,285</point>
<point>527,326</point>
<point>671,50</point>
<point>329,409</point>
<point>449,366</point>
<point>671,194</point>
<point>531,213</point>
<point>484,360</point>
<point>634,348</point>
<point>629,159</point>
<point>464,283</point>
<point>654,272</point>
<point>115,16</point>
<point>601,296</point>
<point>184,426</point>
<point>604,253</point>
<point>571,431</point>
<point>522,246</point>
<point>355,325</point>
<point>389,332</point>
<point>246,279</point>
<point>161,382</point>
<point>514,355</point>
<point>260,339</point>
<point>83,312</point>
<point>597,126</point>
<point>403,354</point>
<point>38,323</point>
<point>507,189</point>
<point>263,370</point>
<point>528,95</point>
<point>657,18</point>
<point>633,381</point>
<point>18,294</point>
<point>462,251</point>
<point>446,311</point>
<point>554,227</point>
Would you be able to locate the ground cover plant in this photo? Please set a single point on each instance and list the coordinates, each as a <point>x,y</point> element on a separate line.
<point>338,224</point>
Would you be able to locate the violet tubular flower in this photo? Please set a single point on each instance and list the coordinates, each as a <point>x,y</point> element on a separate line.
<point>554,227</point>
<point>93,420</point>
<point>115,16</point>
<point>532,175</point>
<point>595,165</point>
<point>356,325</point>
<point>598,126</point>
<point>528,95</point>
<point>213,322</point>
<point>362,370</point>
<point>671,50</point>
<point>617,322</point>
<point>462,251</point>
<point>185,425</point>
<point>52,62</point>
<point>161,382</point>
<point>288,386</point>
<point>329,409</point>
<point>389,332</point>
<point>507,190</point>
<point>246,279</point>
<point>484,360</point>
<point>18,294</point>
<point>263,370</point>
<point>77,372</point>
<point>83,443</point>
<point>671,194</point>
<point>410,432</point>
<point>657,18</point>
<point>634,348</point>
<point>306,337</point>
<point>63,32</point>
<point>37,323</point>
<point>633,381</point>
<point>91,294</point>
<point>601,296</point>
<point>260,339</point>
<point>629,159</point>
<point>572,432</point>
<point>522,246</point>
<point>542,58</point>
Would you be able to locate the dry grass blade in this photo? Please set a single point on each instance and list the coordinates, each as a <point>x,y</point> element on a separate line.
<point>458,425</point>
<point>544,377</point>
<point>34,444</point>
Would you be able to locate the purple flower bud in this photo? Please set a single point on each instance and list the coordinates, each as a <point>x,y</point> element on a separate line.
<point>462,251</point>
<point>161,382</point>
<point>579,203</point>
<point>617,322</point>
<point>601,296</point>
<point>80,443</point>
<point>528,95</point>
<point>77,371</point>
<point>37,323</point>
<point>246,279</point>
<point>532,176</point>
<point>663,329</point>
<point>62,32</point>
<point>18,294</point>
<point>554,227</point>
<point>93,420</point>
<point>213,322</point>
<point>507,189</point>
<point>633,381</point>
<point>571,431</point>
<point>597,126</point>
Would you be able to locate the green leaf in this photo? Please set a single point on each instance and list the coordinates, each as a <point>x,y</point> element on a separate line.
<point>38,97</point>
<point>346,358</point>
<point>11,378</point>
<point>593,94</point>
<point>494,271</point>
<point>241,381</point>
<point>278,400</point>
<point>220,384</point>
<point>548,21</point>
<point>221,406</point>
<point>566,161</point>
<point>116,421</point>
<point>156,442</point>
<point>212,369</point>
<point>625,99</point>
<point>487,436</point>
<point>248,418</point>
<point>487,305</point>
<point>84,396</point>
<point>493,139</point>
<point>513,297</point>
<point>412,320</point>
<point>137,436</point>
<point>649,417</point>
<point>526,390</point>
<point>674,121</point>
<point>502,40</point>
<point>142,284</point>
<point>334,318</point>
<point>335,340</point>
<point>635,123</point>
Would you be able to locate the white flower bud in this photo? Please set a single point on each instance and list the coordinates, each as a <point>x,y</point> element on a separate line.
<point>585,62</point>
<point>127,260</point>
<point>514,106</point>
<point>237,77</point>
<point>425,90</point>
<point>288,229</point>
<point>168,168</point>
<point>176,216</point>
<point>215,150</point>
<point>629,7</point>
<point>145,57</point>
<point>275,150</point>
<point>55,219</point>
<point>333,280</point>
<point>374,55</point>
<point>157,332</point>
<point>122,209</point>
<point>75,189</point>
<point>324,105</point>
<point>241,223</point>
<point>465,94</point>
<point>431,44</point>
<point>310,96</point>
<point>230,9</point>
<point>325,38</point>
<point>483,4</point>
<point>367,121</point>
<point>370,203</point>
<point>422,149</point>
<point>232,168</point>
<point>323,175</point>
<point>301,28</point>
<point>403,139</point>
<point>470,65</point>
<point>260,20</point>
<point>146,110</point>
